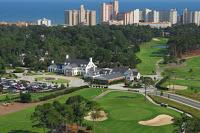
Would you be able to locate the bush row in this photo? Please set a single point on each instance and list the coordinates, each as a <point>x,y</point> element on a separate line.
<point>162,81</point>
<point>56,94</point>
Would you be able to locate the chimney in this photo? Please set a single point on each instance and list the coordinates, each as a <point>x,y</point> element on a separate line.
<point>67,56</point>
<point>91,59</point>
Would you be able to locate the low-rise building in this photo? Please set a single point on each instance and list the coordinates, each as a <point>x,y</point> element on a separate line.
<point>111,75</point>
<point>156,25</point>
<point>90,72</point>
<point>44,21</point>
<point>73,67</point>
<point>132,75</point>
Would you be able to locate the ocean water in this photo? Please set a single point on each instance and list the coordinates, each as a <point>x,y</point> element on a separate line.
<point>13,11</point>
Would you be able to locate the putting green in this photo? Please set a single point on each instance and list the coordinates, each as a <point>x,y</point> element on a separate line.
<point>126,109</point>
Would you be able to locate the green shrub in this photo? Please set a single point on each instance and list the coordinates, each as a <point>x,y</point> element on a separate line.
<point>56,94</point>
<point>25,97</point>
<point>18,70</point>
<point>159,84</point>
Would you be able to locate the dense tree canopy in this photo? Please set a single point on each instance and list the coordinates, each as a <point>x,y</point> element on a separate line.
<point>184,39</point>
<point>2,66</point>
<point>186,124</point>
<point>56,116</point>
<point>36,46</point>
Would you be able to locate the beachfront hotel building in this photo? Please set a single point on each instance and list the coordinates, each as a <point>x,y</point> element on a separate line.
<point>109,11</point>
<point>187,16</point>
<point>173,16</point>
<point>110,14</point>
<point>44,21</point>
<point>80,17</point>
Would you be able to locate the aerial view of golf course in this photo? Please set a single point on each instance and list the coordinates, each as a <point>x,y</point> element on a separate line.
<point>124,112</point>
<point>105,110</point>
<point>99,66</point>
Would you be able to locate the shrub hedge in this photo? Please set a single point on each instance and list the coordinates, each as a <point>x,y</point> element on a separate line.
<point>56,94</point>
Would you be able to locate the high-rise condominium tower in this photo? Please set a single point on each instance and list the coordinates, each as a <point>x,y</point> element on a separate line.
<point>173,16</point>
<point>145,15</point>
<point>153,16</point>
<point>116,7</point>
<point>106,12</point>
<point>187,16</point>
<point>80,17</point>
<point>136,16</point>
<point>109,11</point>
<point>196,18</point>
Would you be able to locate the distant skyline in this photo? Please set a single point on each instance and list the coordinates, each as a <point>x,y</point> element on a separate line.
<point>22,10</point>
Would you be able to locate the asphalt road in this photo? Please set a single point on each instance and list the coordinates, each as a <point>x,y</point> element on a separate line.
<point>176,98</point>
<point>180,99</point>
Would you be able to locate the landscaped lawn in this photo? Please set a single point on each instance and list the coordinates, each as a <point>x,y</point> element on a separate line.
<point>52,80</point>
<point>150,53</point>
<point>20,121</point>
<point>125,110</point>
<point>186,75</point>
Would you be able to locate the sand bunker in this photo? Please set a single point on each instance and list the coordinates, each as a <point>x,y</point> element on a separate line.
<point>103,117</point>
<point>177,87</point>
<point>156,39</point>
<point>160,120</point>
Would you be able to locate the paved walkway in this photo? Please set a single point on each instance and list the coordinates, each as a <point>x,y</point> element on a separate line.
<point>103,94</point>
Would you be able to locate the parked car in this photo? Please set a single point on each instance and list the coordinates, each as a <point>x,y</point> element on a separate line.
<point>164,105</point>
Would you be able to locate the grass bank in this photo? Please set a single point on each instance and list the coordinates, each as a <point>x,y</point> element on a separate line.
<point>194,112</point>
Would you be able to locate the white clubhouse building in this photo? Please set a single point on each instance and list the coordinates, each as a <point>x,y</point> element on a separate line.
<point>87,69</point>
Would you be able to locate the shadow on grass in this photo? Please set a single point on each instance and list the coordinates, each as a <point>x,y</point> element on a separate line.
<point>21,131</point>
<point>126,97</point>
<point>159,53</point>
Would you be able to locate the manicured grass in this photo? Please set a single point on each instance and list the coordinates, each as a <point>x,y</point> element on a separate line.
<point>179,106</point>
<point>125,110</point>
<point>20,121</point>
<point>186,75</point>
<point>150,53</point>
<point>56,81</point>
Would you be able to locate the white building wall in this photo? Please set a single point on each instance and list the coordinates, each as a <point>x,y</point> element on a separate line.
<point>68,17</point>
<point>44,21</point>
<point>196,18</point>
<point>82,14</point>
<point>145,15</point>
<point>136,16</point>
<point>173,16</point>
<point>93,18</point>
